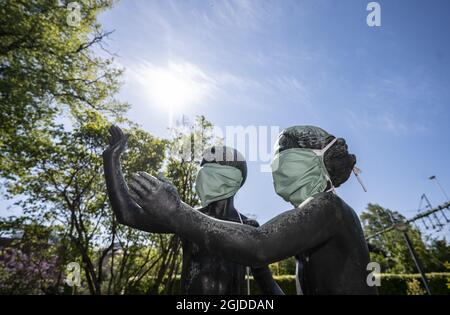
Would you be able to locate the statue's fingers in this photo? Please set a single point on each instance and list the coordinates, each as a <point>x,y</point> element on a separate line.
<point>112,130</point>
<point>152,180</point>
<point>111,135</point>
<point>114,133</point>
<point>119,132</point>
<point>145,184</point>
<point>137,189</point>
<point>135,196</point>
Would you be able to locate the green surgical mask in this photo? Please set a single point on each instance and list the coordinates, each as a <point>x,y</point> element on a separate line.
<point>300,173</point>
<point>216,182</point>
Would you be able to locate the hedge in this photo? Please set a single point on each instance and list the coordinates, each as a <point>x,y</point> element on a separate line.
<point>391,284</point>
<point>397,284</point>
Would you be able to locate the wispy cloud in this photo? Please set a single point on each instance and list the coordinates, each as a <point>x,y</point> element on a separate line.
<point>382,121</point>
<point>398,103</point>
<point>288,85</point>
<point>242,14</point>
<point>180,84</point>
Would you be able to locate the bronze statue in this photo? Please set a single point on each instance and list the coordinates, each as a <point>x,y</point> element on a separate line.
<point>322,232</point>
<point>204,272</point>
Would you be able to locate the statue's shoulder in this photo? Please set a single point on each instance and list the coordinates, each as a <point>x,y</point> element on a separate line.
<point>324,200</point>
<point>329,201</point>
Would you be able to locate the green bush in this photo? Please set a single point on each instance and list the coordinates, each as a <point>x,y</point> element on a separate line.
<point>393,284</point>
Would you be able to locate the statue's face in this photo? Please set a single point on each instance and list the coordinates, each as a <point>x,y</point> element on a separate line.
<point>226,156</point>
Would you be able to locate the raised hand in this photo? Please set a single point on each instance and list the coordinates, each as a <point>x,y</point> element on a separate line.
<point>157,196</point>
<point>127,211</point>
<point>117,141</point>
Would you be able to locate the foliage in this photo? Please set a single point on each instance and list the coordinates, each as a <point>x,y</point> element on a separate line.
<point>398,284</point>
<point>447,266</point>
<point>48,69</point>
<point>390,249</point>
<point>57,102</point>
<point>284,267</point>
<point>414,288</point>
<point>65,190</point>
<point>31,257</point>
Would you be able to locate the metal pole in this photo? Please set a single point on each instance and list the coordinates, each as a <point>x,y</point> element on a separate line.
<point>417,262</point>
<point>247,269</point>
<point>413,255</point>
<point>415,218</point>
<point>443,192</point>
<point>440,186</point>
<point>434,214</point>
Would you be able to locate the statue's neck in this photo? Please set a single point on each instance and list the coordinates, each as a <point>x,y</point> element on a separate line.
<point>223,210</point>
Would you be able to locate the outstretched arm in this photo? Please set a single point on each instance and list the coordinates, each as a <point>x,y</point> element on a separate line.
<point>286,235</point>
<point>126,210</point>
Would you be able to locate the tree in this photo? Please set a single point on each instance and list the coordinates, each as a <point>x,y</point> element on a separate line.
<point>48,70</point>
<point>440,253</point>
<point>389,249</point>
<point>28,264</point>
<point>65,192</point>
<point>284,267</point>
<point>66,188</point>
<point>57,102</point>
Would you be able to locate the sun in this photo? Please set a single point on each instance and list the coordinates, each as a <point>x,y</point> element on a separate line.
<point>174,88</point>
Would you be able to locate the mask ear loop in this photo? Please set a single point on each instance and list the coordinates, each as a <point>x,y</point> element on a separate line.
<point>321,153</point>
<point>332,189</point>
<point>355,170</point>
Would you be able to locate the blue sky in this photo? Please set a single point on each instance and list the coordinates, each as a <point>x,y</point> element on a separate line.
<point>282,63</point>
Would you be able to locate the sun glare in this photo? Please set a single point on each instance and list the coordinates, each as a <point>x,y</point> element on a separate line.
<point>174,88</point>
